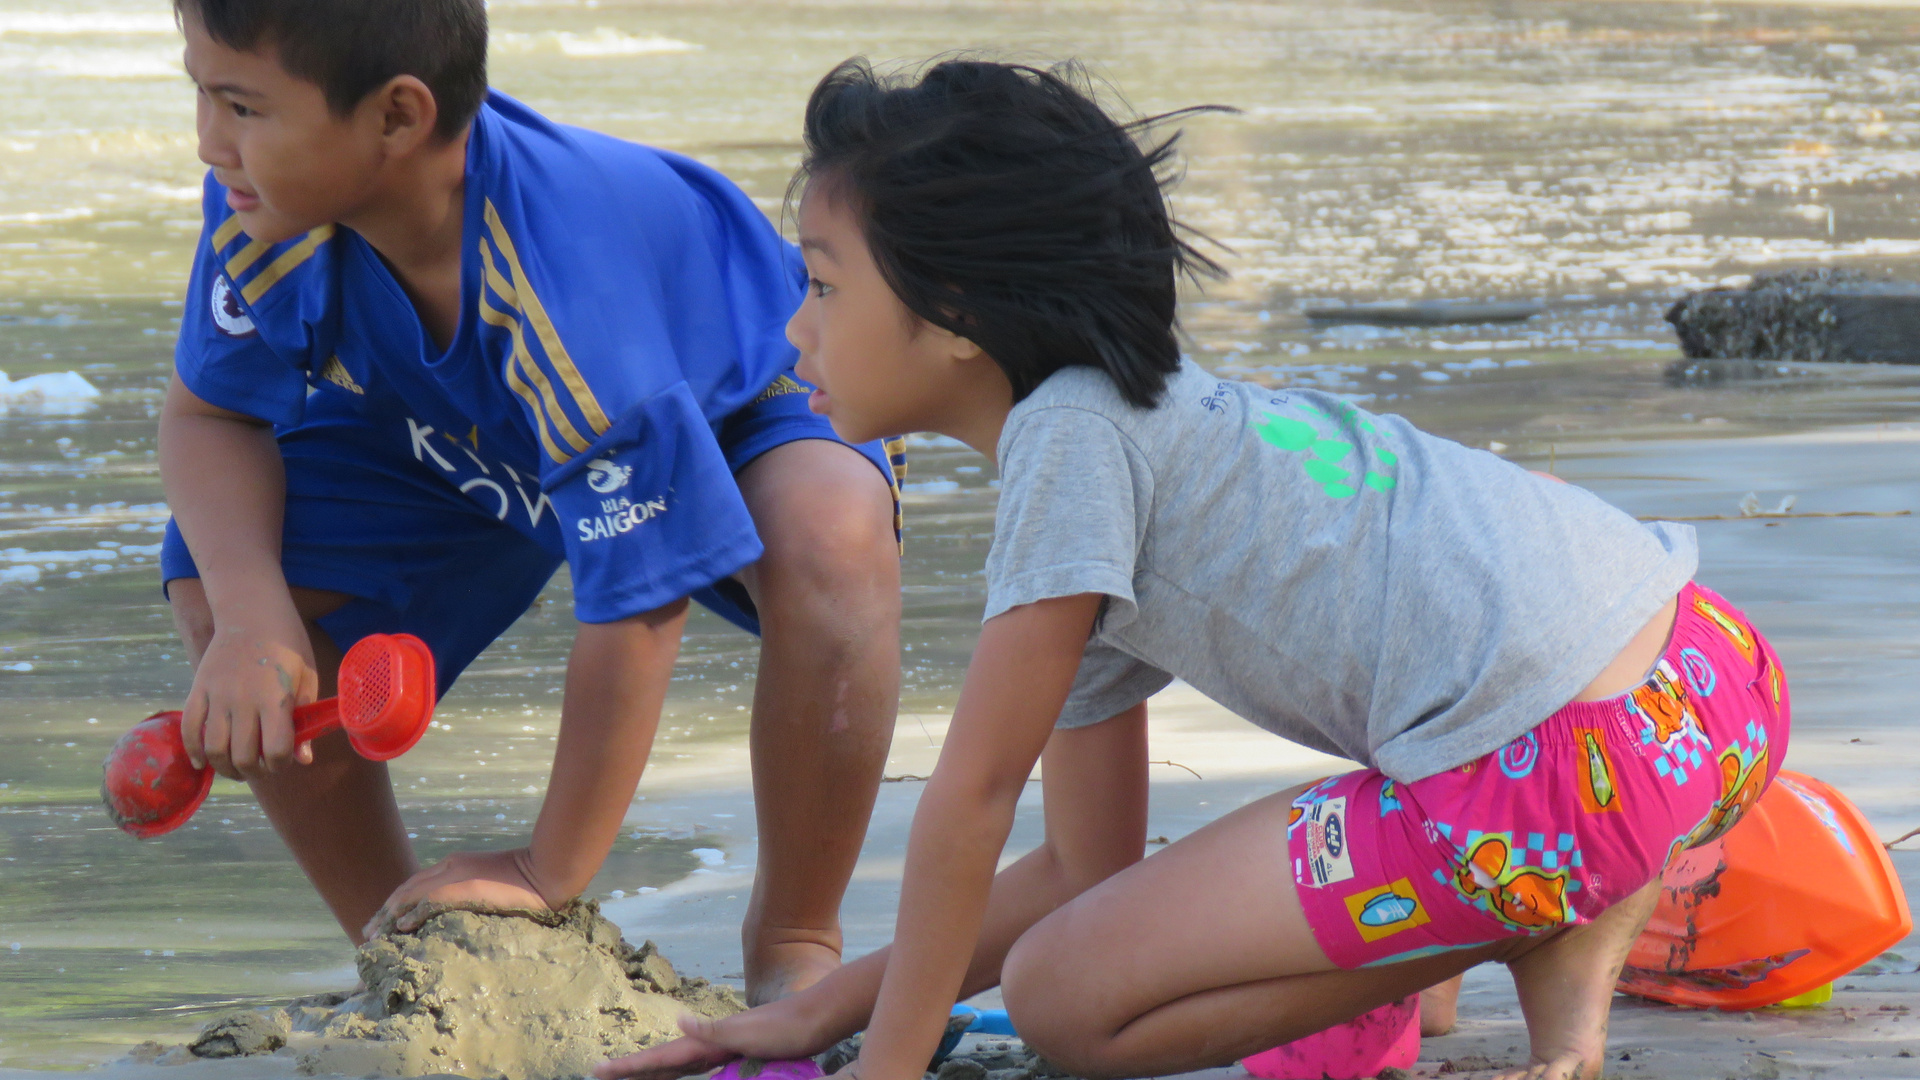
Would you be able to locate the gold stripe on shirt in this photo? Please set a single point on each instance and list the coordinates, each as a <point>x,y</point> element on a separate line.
<point>493,316</point>
<point>549,403</point>
<point>287,263</point>
<point>224,235</point>
<point>246,257</point>
<point>536,313</point>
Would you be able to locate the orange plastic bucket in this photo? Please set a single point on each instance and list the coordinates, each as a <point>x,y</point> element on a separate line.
<point>1798,894</point>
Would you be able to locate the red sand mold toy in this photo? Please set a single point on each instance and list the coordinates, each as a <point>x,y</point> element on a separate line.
<point>1796,895</point>
<point>1387,1037</point>
<point>386,699</point>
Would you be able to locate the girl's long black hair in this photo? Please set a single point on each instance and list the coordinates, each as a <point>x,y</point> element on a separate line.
<point>1002,204</point>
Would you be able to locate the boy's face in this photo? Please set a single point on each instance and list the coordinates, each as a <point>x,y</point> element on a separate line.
<point>288,162</point>
<point>880,371</point>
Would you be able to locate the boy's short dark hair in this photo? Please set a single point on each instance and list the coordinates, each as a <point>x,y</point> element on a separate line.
<point>350,48</point>
<point>1002,204</point>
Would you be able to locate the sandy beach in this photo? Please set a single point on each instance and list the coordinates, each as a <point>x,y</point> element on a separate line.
<point>1842,619</point>
<point>1593,160</point>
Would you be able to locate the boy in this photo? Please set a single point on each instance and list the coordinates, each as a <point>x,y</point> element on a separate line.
<point>434,345</point>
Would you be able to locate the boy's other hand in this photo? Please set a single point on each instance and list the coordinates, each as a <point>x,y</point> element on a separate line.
<point>775,1031</point>
<point>477,880</point>
<point>239,714</point>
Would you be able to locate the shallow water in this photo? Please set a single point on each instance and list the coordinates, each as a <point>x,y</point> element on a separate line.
<point>1597,157</point>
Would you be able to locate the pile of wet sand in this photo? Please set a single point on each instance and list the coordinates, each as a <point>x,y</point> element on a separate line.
<point>527,995</point>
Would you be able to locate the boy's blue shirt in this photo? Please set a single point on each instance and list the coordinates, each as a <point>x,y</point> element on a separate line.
<point>617,302</point>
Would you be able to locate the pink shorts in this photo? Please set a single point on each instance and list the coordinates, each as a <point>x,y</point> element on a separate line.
<point>1559,824</point>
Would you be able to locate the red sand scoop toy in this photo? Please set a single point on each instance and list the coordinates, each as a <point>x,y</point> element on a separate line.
<point>1796,895</point>
<point>386,698</point>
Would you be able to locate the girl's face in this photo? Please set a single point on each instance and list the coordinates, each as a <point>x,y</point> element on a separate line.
<point>879,370</point>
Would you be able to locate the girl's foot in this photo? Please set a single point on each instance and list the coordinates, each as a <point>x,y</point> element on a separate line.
<point>1564,1067</point>
<point>1439,1008</point>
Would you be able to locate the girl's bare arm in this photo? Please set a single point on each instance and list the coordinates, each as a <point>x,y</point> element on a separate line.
<point>1095,784</point>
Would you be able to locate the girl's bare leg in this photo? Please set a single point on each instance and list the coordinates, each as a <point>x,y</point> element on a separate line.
<point>1201,955</point>
<point>1195,957</point>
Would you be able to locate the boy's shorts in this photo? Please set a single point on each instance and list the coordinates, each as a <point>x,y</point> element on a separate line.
<point>420,557</point>
<point>1559,824</point>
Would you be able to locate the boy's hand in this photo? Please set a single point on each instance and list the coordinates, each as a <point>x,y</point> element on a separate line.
<point>778,1030</point>
<point>239,714</point>
<point>480,880</point>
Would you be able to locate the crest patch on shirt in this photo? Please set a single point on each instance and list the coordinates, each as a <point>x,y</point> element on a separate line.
<point>228,316</point>
<point>606,477</point>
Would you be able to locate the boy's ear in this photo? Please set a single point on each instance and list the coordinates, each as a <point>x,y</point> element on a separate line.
<point>407,110</point>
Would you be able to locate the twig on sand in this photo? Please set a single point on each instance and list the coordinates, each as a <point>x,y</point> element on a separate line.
<point>910,778</point>
<point>1792,514</point>
<point>1908,835</point>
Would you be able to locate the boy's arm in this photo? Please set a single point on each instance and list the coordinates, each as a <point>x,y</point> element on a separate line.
<point>617,680</point>
<point>1095,783</point>
<point>226,485</point>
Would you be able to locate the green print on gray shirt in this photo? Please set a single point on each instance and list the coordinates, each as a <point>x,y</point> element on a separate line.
<point>1325,458</point>
<point>1337,577</point>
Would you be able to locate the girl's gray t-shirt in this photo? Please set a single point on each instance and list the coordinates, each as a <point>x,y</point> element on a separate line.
<point>1341,579</point>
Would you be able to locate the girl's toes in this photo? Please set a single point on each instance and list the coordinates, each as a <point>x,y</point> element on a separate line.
<point>1565,1067</point>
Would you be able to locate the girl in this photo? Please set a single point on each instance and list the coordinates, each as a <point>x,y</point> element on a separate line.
<point>1545,709</point>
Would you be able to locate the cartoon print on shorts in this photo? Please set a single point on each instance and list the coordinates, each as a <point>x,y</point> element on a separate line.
<point>1599,793</point>
<point>1669,724</point>
<point>1386,910</point>
<point>1389,798</point>
<point>1330,461</point>
<point>1743,776</point>
<point>1304,801</point>
<point>1736,631</point>
<point>1524,897</point>
<point>1517,758</point>
<point>1328,860</point>
<point>1701,678</point>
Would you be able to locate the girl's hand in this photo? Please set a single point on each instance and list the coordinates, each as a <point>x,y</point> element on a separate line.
<point>479,880</point>
<point>775,1031</point>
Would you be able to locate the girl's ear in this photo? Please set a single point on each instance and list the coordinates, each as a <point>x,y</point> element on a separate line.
<point>963,348</point>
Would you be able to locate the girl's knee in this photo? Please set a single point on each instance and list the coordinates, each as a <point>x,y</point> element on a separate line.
<point>1051,1020</point>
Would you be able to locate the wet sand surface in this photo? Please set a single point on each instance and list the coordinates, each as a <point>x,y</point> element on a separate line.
<point>1592,158</point>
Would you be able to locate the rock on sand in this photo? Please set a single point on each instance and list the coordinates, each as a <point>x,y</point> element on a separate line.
<point>529,995</point>
<point>1814,315</point>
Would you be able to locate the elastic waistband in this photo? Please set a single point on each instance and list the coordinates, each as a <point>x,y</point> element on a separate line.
<point>1613,714</point>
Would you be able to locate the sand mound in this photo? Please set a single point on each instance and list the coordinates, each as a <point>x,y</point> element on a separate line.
<point>525,995</point>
